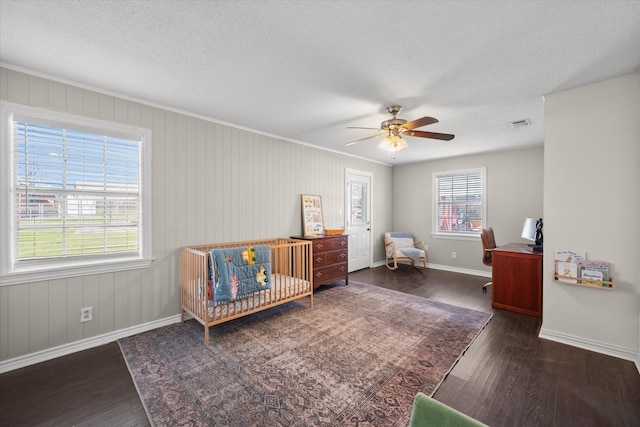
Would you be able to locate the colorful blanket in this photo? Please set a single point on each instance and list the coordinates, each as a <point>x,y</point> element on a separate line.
<point>236,272</point>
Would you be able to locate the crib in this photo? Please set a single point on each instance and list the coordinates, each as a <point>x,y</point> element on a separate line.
<point>291,273</point>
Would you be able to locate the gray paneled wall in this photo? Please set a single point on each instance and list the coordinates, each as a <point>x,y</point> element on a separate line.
<point>211,183</point>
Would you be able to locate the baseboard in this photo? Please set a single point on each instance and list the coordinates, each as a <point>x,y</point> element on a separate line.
<point>592,345</point>
<point>84,344</point>
<point>459,270</point>
<point>447,268</point>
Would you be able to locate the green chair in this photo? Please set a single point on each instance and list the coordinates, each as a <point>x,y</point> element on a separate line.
<point>428,412</point>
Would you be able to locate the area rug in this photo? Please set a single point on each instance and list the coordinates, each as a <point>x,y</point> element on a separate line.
<point>357,357</point>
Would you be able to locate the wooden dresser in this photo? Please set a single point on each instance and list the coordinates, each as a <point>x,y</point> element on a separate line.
<point>330,258</point>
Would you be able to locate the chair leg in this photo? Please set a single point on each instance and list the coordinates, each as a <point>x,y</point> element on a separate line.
<point>417,265</point>
<point>392,266</point>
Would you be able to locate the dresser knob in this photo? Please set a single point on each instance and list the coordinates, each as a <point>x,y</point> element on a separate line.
<point>319,246</point>
<point>342,255</point>
<point>341,268</point>
<point>318,274</point>
<point>318,259</point>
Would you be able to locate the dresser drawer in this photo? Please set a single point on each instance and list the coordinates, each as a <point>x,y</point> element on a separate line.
<point>331,274</point>
<point>329,258</point>
<point>323,245</point>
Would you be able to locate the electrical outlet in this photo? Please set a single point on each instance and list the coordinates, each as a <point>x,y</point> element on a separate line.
<point>86,314</point>
<point>453,255</point>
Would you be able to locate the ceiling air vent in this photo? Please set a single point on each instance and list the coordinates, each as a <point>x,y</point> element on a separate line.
<point>519,123</point>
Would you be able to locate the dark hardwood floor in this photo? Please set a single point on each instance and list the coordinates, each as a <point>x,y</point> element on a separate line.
<point>89,388</point>
<point>507,377</point>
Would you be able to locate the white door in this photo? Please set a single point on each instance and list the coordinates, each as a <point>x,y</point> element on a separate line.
<point>358,204</point>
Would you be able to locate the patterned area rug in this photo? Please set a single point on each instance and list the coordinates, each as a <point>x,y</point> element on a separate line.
<point>357,357</point>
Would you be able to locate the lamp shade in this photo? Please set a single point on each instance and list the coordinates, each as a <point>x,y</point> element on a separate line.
<point>393,143</point>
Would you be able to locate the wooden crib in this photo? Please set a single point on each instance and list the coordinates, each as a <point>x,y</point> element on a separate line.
<point>291,272</point>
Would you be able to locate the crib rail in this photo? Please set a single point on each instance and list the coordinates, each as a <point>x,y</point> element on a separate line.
<point>193,281</point>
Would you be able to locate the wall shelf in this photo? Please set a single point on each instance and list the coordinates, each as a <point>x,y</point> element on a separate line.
<point>590,283</point>
<point>581,281</point>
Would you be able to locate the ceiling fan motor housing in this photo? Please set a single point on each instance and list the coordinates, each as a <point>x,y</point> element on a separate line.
<point>392,123</point>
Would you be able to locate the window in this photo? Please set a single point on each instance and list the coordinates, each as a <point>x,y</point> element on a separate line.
<point>78,195</point>
<point>459,202</point>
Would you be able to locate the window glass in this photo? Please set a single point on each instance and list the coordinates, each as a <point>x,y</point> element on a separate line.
<point>76,193</point>
<point>459,206</point>
<point>358,194</point>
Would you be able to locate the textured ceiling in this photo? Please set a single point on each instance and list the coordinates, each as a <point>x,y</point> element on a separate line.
<point>305,70</point>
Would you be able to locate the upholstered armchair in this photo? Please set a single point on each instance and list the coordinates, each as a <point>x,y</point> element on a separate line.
<point>401,247</point>
<point>428,412</point>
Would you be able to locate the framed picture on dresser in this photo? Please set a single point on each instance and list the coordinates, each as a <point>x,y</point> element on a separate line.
<point>312,223</point>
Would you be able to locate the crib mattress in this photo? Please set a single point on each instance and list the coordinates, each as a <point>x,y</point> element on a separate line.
<point>284,287</point>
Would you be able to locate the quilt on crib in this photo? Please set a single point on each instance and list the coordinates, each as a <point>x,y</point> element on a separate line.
<point>237,272</point>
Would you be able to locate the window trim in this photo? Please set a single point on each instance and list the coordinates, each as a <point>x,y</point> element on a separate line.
<point>10,272</point>
<point>435,232</point>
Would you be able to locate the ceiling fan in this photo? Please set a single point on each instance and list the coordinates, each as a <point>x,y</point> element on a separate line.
<point>394,128</point>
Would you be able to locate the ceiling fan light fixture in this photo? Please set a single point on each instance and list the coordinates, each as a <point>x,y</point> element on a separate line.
<point>393,143</point>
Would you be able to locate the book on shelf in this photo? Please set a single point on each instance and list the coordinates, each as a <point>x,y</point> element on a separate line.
<point>567,272</point>
<point>591,277</point>
<point>569,256</point>
<point>594,272</point>
<point>567,265</point>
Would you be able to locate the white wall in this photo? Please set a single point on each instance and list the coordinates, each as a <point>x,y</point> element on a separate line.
<point>514,192</point>
<point>592,203</point>
<point>211,183</point>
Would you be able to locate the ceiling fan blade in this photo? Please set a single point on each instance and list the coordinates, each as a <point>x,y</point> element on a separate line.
<point>418,123</point>
<point>359,127</point>
<point>432,135</point>
<point>368,137</point>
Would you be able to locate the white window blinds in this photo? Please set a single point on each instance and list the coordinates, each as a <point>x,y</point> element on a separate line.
<point>75,192</point>
<point>459,206</point>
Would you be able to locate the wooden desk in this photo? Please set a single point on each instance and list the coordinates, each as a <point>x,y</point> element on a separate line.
<point>517,279</point>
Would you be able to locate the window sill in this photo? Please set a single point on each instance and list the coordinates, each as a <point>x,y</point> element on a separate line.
<point>468,237</point>
<point>28,275</point>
